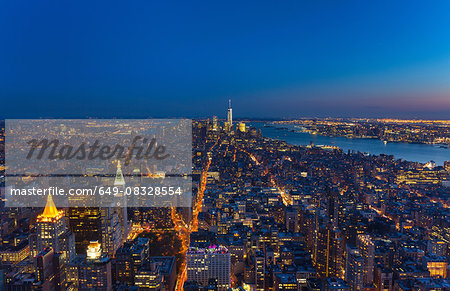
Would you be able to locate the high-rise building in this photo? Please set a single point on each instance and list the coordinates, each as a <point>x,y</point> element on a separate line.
<point>111,230</point>
<point>230,116</point>
<point>119,182</point>
<point>241,127</point>
<point>215,126</point>
<point>367,250</point>
<point>91,271</point>
<point>383,279</point>
<point>213,262</point>
<point>130,258</point>
<point>291,219</point>
<point>437,247</point>
<point>354,269</point>
<point>52,232</point>
<point>328,250</point>
<point>49,272</point>
<point>114,220</point>
<point>260,270</point>
<point>85,223</point>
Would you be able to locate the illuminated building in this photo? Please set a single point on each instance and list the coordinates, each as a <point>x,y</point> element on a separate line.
<point>329,251</point>
<point>354,270</point>
<point>209,263</point>
<point>230,116</point>
<point>215,126</point>
<point>167,269</point>
<point>111,231</point>
<point>436,265</point>
<point>12,254</point>
<point>130,258</point>
<point>50,226</point>
<point>260,269</point>
<point>119,182</point>
<point>52,232</point>
<point>285,282</point>
<point>291,219</point>
<point>241,127</point>
<point>383,279</point>
<point>421,176</point>
<point>91,271</point>
<point>48,272</point>
<point>149,278</point>
<point>367,249</point>
<point>438,247</point>
<point>85,223</point>
<point>157,273</point>
<point>335,284</point>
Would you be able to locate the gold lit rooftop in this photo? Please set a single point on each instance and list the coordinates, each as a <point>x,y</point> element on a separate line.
<point>50,213</point>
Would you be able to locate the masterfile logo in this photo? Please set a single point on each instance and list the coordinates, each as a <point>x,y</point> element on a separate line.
<point>142,163</point>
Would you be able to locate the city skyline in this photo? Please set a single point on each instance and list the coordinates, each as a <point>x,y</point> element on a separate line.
<point>174,59</point>
<point>225,146</point>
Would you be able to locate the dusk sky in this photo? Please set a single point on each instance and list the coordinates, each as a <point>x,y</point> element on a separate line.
<point>278,59</point>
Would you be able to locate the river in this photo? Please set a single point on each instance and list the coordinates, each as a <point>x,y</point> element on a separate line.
<point>407,151</point>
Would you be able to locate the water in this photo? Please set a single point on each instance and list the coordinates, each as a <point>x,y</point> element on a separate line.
<point>407,151</point>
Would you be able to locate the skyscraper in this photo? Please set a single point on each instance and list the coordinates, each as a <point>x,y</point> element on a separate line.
<point>53,232</point>
<point>85,223</point>
<point>91,271</point>
<point>354,268</point>
<point>213,262</point>
<point>111,230</point>
<point>367,249</point>
<point>119,182</point>
<point>230,116</point>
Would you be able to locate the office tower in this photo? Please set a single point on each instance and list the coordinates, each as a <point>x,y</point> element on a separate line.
<point>291,219</point>
<point>167,268</point>
<point>337,265</point>
<point>436,265</point>
<point>52,232</point>
<point>367,250</point>
<point>124,266</point>
<point>49,272</point>
<point>85,223</point>
<point>50,226</point>
<point>321,253</point>
<point>333,205</point>
<point>329,251</point>
<point>130,258</point>
<point>122,210</point>
<point>260,264</point>
<point>157,273</point>
<point>241,127</point>
<point>149,277</point>
<point>382,279</point>
<point>213,262</point>
<point>437,247</point>
<point>91,271</point>
<point>230,116</point>
<point>111,231</point>
<point>215,126</point>
<point>114,220</point>
<point>354,268</point>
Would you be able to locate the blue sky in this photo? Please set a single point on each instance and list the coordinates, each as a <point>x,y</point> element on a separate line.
<point>186,58</point>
